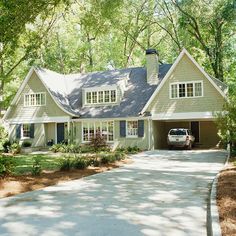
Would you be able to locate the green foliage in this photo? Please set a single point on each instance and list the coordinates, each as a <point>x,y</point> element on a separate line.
<point>107,158</point>
<point>4,142</point>
<point>97,141</point>
<point>7,165</point>
<point>128,150</point>
<point>26,144</point>
<point>65,148</point>
<point>226,121</point>
<point>15,148</point>
<point>66,164</point>
<point>36,168</point>
<point>81,163</point>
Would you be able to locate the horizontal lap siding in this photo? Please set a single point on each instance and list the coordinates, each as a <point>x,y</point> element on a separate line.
<point>187,71</point>
<point>51,109</point>
<point>208,134</point>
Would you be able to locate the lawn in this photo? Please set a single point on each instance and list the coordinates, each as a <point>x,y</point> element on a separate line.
<point>24,163</point>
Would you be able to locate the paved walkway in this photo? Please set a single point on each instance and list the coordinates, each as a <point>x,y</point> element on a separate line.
<point>161,193</point>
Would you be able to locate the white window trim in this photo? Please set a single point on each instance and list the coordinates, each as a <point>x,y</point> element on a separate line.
<point>35,95</point>
<point>131,136</point>
<point>22,132</point>
<point>100,103</point>
<point>93,122</point>
<point>186,82</point>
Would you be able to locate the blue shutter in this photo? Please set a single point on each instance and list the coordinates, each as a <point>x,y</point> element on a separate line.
<point>122,128</point>
<point>31,130</point>
<point>18,131</point>
<point>140,128</point>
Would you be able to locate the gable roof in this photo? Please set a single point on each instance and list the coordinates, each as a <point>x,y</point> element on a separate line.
<point>219,86</point>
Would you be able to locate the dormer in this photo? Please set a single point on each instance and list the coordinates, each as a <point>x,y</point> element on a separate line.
<point>105,94</point>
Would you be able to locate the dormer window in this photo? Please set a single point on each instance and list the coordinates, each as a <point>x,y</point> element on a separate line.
<point>101,96</point>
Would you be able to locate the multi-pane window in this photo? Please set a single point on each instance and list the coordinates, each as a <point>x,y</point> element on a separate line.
<point>198,89</point>
<point>101,97</point>
<point>105,128</point>
<point>132,128</point>
<point>174,91</point>
<point>25,130</point>
<point>190,90</point>
<point>35,99</point>
<point>182,90</point>
<point>186,90</point>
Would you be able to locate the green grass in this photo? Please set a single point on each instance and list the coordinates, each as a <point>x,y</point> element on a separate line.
<point>24,163</point>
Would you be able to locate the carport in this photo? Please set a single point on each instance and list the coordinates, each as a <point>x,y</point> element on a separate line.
<point>205,132</point>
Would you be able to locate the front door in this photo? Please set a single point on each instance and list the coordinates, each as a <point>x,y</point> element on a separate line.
<point>60,132</point>
<point>195,130</point>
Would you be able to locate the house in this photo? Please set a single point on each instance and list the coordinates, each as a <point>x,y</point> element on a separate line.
<point>132,106</point>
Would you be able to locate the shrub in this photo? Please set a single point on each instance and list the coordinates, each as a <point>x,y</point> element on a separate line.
<point>107,158</point>
<point>15,148</point>
<point>132,150</point>
<point>36,168</point>
<point>66,164</point>
<point>26,144</point>
<point>7,165</point>
<point>6,144</point>
<point>64,148</point>
<point>86,149</point>
<point>98,141</point>
<point>80,163</point>
<point>119,155</point>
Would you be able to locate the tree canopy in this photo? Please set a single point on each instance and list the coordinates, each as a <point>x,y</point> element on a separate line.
<point>81,36</point>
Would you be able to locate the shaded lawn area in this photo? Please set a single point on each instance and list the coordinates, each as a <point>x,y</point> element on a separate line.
<point>24,163</point>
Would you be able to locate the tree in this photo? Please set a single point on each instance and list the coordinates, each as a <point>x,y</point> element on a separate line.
<point>19,37</point>
<point>211,24</point>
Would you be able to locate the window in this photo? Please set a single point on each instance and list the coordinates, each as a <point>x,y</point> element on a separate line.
<point>198,89</point>
<point>101,97</point>
<point>88,97</point>
<point>174,91</point>
<point>35,99</point>
<point>190,90</point>
<point>25,130</point>
<point>186,90</point>
<point>107,96</point>
<point>113,95</point>
<point>132,128</point>
<point>106,128</point>
<point>181,90</point>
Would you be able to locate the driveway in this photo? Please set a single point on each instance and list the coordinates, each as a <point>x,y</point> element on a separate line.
<point>161,193</point>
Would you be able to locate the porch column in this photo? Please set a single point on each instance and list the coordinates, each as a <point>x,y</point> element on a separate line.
<point>68,132</point>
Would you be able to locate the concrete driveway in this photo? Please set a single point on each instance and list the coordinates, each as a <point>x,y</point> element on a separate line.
<point>161,193</point>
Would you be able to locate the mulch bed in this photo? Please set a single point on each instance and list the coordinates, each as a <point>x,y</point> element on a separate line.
<point>226,200</point>
<point>13,185</point>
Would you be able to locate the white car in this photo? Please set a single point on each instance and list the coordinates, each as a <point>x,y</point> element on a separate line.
<point>180,137</point>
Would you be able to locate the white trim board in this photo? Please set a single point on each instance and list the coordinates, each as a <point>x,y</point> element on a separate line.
<point>184,52</point>
<point>208,115</point>
<point>56,119</point>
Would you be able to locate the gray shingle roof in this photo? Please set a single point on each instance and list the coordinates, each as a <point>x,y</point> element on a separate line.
<point>67,90</point>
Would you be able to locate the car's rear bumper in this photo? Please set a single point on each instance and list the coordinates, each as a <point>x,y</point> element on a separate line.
<point>178,144</point>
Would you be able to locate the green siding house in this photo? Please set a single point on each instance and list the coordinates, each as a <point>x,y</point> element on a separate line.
<point>129,107</point>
